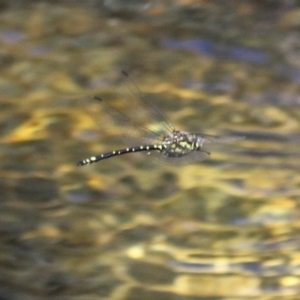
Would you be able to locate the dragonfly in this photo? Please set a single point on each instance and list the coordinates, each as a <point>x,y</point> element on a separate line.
<point>175,146</point>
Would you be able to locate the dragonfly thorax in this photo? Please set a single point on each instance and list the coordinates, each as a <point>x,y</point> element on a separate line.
<point>178,144</point>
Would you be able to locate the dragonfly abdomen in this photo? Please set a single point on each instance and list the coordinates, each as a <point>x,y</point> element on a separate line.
<point>106,155</point>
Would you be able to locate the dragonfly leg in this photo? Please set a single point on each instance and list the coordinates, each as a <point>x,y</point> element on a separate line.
<point>206,152</point>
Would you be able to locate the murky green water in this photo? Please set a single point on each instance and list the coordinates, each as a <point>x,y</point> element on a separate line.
<point>131,227</point>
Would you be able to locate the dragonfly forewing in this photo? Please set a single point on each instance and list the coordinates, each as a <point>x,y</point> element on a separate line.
<point>215,139</point>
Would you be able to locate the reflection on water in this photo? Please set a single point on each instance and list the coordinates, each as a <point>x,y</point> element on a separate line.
<point>133,228</point>
<point>208,47</point>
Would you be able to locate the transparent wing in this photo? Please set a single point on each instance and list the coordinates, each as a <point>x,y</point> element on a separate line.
<point>112,122</point>
<point>190,158</point>
<point>140,106</point>
<point>130,115</point>
<point>221,144</point>
<point>215,139</point>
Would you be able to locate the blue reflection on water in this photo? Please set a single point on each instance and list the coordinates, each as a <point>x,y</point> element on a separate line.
<point>11,36</point>
<point>211,48</point>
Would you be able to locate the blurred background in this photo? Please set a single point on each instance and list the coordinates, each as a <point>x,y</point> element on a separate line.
<point>132,227</point>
